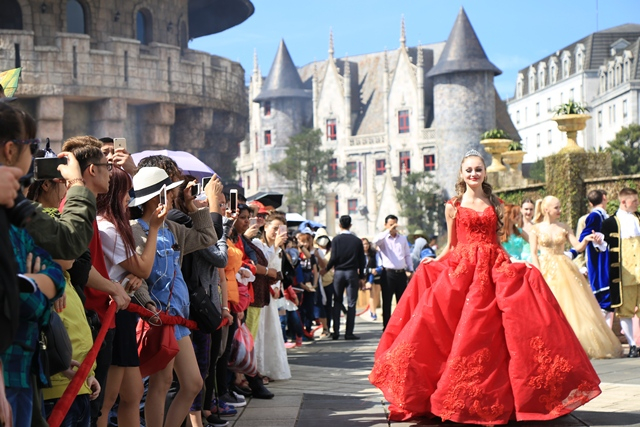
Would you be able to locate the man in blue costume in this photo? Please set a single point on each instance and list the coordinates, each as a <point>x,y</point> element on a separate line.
<point>597,260</point>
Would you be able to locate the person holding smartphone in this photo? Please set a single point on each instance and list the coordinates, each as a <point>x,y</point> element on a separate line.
<point>270,353</point>
<point>168,287</point>
<point>119,155</point>
<point>128,268</point>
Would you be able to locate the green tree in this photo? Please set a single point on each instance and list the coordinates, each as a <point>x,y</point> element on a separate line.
<point>306,167</point>
<point>625,151</point>
<point>421,202</point>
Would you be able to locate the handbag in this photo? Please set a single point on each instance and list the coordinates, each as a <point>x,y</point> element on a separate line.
<point>203,311</point>
<point>55,350</point>
<point>157,345</point>
<point>242,358</point>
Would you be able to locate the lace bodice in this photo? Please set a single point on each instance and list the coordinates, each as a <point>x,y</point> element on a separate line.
<point>549,240</point>
<point>473,227</point>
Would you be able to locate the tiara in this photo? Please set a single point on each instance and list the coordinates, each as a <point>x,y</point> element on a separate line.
<point>472,153</point>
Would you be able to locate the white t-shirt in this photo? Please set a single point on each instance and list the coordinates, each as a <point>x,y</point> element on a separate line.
<point>113,248</point>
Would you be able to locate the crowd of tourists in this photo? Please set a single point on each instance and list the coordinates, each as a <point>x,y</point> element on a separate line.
<point>176,301</point>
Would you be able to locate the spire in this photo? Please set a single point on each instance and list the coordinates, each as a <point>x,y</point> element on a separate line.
<point>256,67</point>
<point>331,43</point>
<point>463,51</point>
<point>283,80</point>
<point>403,36</point>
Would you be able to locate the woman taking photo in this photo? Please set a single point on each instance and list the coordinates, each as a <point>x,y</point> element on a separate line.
<point>125,266</point>
<point>167,287</point>
<point>270,353</point>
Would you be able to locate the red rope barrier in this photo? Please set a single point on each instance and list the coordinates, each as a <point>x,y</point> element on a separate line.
<point>62,406</point>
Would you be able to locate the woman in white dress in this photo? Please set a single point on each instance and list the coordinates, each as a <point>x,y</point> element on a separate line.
<point>270,353</point>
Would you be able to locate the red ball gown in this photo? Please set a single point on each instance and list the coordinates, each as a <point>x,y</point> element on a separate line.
<point>477,339</point>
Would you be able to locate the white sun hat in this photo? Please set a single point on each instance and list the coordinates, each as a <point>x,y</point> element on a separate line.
<point>148,183</point>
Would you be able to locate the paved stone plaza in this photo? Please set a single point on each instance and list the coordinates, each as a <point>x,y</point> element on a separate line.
<point>330,388</point>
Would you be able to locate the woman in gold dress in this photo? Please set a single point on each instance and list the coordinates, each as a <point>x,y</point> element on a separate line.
<point>570,288</point>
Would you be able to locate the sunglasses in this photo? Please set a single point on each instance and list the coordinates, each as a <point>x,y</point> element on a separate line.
<point>33,144</point>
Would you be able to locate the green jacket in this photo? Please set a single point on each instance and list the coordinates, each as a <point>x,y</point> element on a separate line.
<point>66,237</point>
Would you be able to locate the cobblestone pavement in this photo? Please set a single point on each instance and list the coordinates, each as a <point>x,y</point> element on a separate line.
<point>329,387</point>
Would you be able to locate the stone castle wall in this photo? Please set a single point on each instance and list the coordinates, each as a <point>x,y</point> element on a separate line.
<point>160,97</point>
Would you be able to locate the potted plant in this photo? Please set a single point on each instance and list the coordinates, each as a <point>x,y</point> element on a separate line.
<point>514,156</point>
<point>495,142</point>
<point>571,117</point>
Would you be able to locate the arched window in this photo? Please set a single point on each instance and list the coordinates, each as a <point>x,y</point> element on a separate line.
<point>144,32</point>
<point>627,70</point>
<point>519,91</point>
<point>553,71</point>
<point>566,66</point>
<point>76,22</point>
<point>618,75</point>
<point>542,75</point>
<point>603,80</point>
<point>532,79</point>
<point>11,16</point>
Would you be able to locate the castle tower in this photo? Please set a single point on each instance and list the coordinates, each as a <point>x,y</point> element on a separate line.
<point>285,108</point>
<point>464,97</point>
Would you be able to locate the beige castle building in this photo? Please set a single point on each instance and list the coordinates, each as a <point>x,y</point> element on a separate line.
<point>383,114</point>
<point>113,68</point>
<point>600,71</point>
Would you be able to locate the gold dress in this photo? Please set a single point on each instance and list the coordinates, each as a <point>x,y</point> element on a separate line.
<point>574,296</point>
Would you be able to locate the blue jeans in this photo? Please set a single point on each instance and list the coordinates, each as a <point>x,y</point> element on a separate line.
<point>21,401</point>
<point>79,414</point>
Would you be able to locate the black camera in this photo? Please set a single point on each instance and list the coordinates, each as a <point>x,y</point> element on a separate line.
<point>23,209</point>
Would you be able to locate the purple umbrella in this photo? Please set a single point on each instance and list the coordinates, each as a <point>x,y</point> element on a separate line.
<point>189,163</point>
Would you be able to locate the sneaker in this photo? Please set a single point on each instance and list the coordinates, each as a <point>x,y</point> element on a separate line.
<point>289,345</point>
<point>374,316</point>
<point>232,400</point>
<point>226,410</point>
<point>633,351</point>
<point>214,421</point>
<point>299,342</point>
<point>238,396</point>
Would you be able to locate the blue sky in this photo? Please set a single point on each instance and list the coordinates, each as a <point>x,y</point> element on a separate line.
<point>514,33</point>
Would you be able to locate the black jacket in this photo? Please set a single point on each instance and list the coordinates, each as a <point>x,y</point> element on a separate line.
<point>347,253</point>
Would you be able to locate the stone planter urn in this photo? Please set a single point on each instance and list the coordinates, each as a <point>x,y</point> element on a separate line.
<point>513,159</point>
<point>496,147</point>
<point>571,124</point>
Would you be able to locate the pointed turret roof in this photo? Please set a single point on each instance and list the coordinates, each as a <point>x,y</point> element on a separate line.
<point>283,80</point>
<point>463,51</point>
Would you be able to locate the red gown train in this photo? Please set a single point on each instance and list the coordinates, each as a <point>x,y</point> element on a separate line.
<point>477,339</point>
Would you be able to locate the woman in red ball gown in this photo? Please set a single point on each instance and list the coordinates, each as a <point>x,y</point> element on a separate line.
<point>476,338</point>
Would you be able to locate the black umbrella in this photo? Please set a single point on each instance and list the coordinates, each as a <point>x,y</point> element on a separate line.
<point>267,199</point>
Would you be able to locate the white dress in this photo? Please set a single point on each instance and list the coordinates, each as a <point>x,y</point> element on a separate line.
<point>269,349</point>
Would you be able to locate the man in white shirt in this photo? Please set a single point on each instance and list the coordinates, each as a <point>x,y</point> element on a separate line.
<point>396,264</point>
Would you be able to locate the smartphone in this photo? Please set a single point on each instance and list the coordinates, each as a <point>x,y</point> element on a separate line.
<point>120,143</point>
<point>205,181</point>
<point>253,221</point>
<point>195,190</point>
<point>163,195</point>
<point>233,200</point>
<point>47,167</point>
<point>282,229</point>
